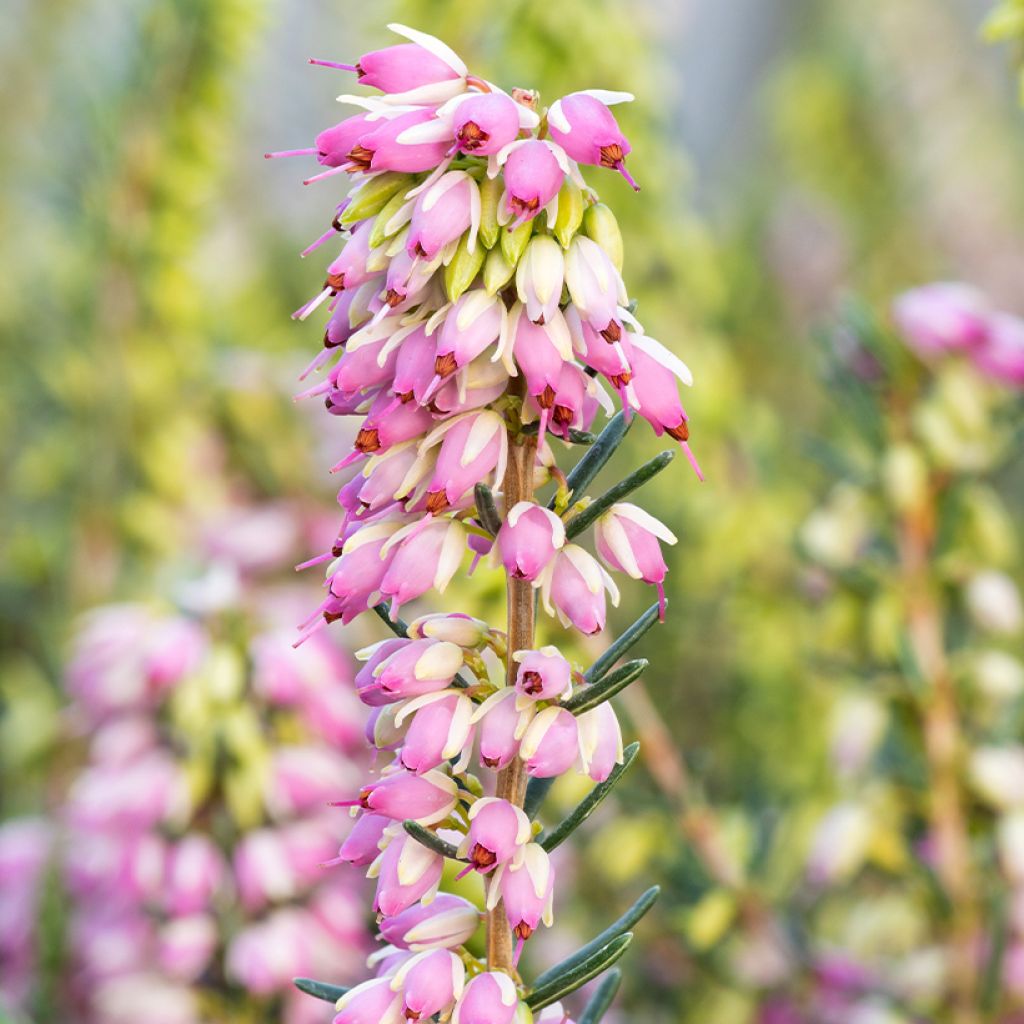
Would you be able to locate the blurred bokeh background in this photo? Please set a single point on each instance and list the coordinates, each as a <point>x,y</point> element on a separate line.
<point>802,162</point>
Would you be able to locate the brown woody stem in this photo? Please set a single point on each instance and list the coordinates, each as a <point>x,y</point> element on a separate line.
<point>518,486</point>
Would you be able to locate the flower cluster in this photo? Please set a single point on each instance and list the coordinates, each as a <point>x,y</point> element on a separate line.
<point>191,840</point>
<point>477,317</point>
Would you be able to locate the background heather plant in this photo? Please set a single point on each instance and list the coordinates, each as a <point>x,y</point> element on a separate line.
<point>477,319</point>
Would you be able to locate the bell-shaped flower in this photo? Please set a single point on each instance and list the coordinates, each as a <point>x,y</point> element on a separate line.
<point>444,923</point>
<point>586,129</point>
<point>334,144</point>
<point>427,798</point>
<point>406,66</point>
<point>573,587</point>
<point>441,728</point>
<point>489,998</point>
<point>443,212</point>
<point>610,358</point>
<point>470,327</point>
<point>185,945</point>
<point>263,871</point>
<point>526,886</point>
<point>414,368</point>
<point>497,830</point>
<point>594,284</point>
<point>627,538</point>
<point>406,872</point>
<point>375,655</point>
<point>551,743</point>
<point>362,844</point>
<point>600,741</point>
<point>528,539</point>
<point>534,171</point>
<point>195,873</point>
<point>1002,355</point>
<point>455,627</point>
<point>381,150</point>
<point>539,276</point>
<point>543,674</point>
<point>426,556</point>
<point>942,317</point>
<point>371,1002</point>
<point>485,123</point>
<point>430,982</point>
<point>473,449</point>
<point>655,371</point>
<point>303,777</point>
<point>418,667</point>
<point>480,383</point>
<point>351,266</point>
<point>386,426</point>
<point>358,573</point>
<point>499,727</point>
<point>379,484</point>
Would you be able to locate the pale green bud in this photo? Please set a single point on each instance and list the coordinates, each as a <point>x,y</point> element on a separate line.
<point>490,195</point>
<point>513,243</point>
<point>570,212</point>
<point>373,196</point>
<point>383,227</point>
<point>497,272</point>
<point>905,477</point>
<point>599,223</point>
<point>465,265</point>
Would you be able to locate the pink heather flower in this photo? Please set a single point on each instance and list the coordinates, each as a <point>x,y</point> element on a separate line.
<point>430,983</point>
<point>308,842</point>
<point>426,556</point>
<point>608,357</point>
<point>499,723</point>
<point>263,870</point>
<point>471,326</point>
<point>124,739</point>
<point>386,426</point>
<point>406,872</point>
<point>570,407</point>
<point>586,129</point>
<point>372,1002</point>
<point>134,796</point>
<point>349,269</point>
<point>358,573</point>
<point>573,587</point>
<point>600,741</point>
<point>534,172</point>
<point>402,68</point>
<point>479,383</point>
<point>334,144</point>
<point>554,1014</point>
<point>942,317</point>
<point>381,150</point>
<point>541,352</point>
<point>427,798</point>
<point>304,777</point>
<point>362,845</point>
<point>375,655</point>
<point>441,728</point>
<point>418,667</point>
<point>543,674</point>
<point>627,539</point>
<point>1002,355</point>
<point>444,923</point>
<point>551,743</point>
<point>381,481</point>
<point>539,276</point>
<point>473,449</point>
<point>455,627</point>
<point>414,369</point>
<point>195,873</point>
<point>185,946</point>
<point>364,366</point>
<point>484,124</point>
<point>264,957</point>
<point>497,830</point>
<point>340,328</point>
<point>529,539</point>
<point>489,998</point>
<point>450,207</point>
<point>595,286</point>
<point>526,886</point>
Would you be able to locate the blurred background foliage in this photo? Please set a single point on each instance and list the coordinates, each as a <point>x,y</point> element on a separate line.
<point>790,151</point>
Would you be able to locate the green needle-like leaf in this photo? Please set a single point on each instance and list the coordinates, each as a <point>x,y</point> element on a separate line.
<point>320,989</point>
<point>398,626</point>
<point>430,840</point>
<point>587,806</point>
<point>566,979</point>
<point>536,792</point>
<point>616,928</point>
<point>597,693</point>
<point>487,511</point>
<point>602,998</point>
<point>622,644</point>
<point>600,452</point>
<point>598,506</point>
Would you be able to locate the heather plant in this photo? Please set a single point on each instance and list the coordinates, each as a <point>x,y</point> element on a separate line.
<point>187,853</point>
<point>913,878</point>
<point>477,319</point>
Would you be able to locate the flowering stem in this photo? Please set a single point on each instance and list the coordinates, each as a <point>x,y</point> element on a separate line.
<point>943,746</point>
<point>511,784</point>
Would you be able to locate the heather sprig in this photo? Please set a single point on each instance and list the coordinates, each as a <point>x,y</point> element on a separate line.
<point>478,321</point>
